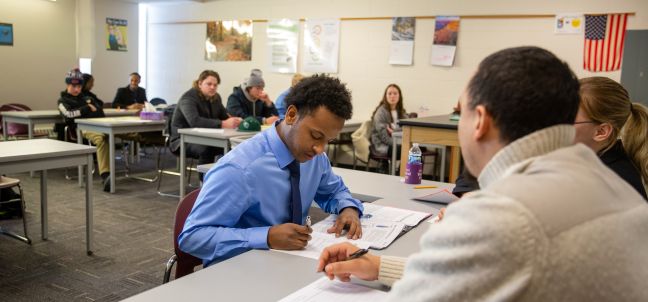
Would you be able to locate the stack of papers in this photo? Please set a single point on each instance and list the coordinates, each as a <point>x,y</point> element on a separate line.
<point>380,227</point>
<point>442,196</point>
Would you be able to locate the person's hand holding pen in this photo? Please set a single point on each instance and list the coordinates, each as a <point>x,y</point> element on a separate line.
<point>289,236</point>
<point>344,260</point>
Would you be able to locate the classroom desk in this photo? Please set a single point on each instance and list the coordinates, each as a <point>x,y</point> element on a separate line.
<point>351,126</point>
<point>35,117</point>
<point>195,136</point>
<point>112,126</point>
<point>252,276</point>
<point>436,130</point>
<point>42,155</point>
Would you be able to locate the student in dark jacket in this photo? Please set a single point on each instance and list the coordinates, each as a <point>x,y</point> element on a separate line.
<point>74,104</point>
<point>607,114</point>
<point>201,107</point>
<point>249,99</point>
<point>131,96</point>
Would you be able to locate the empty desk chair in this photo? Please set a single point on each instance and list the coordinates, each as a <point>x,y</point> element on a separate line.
<point>7,183</point>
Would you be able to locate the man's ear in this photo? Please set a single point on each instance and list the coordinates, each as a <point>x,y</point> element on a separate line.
<point>291,115</point>
<point>603,132</point>
<point>483,123</point>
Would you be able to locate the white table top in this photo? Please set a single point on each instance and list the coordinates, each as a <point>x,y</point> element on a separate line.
<point>35,114</point>
<point>116,121</point>
<point>226,134</point>
<point>39,148</point>
<point>260,275</point>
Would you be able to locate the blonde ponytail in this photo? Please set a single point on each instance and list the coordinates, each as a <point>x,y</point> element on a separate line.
<point>634,136</point>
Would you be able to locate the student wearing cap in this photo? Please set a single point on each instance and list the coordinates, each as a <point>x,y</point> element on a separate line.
<point>258,195</point>
<point>74,104</point>
<point>550,223</point>
<point>201,107</point>
<point>280,101</point>
<point>249,99</point>
<point>132,96</point>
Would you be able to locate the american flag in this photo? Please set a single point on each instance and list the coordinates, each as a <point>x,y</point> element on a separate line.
<point>604,37</point>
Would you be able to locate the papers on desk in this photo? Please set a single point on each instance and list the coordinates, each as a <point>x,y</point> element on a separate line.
<point>380,227</point>
<point>439,196</point>
<point>326,290</point>
<point>209,130</point>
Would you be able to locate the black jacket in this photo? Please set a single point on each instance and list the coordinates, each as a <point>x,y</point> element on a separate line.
<point>239,105</point>
<point>72,107</point>
<point>193,111</point>
<point>126,97</point>
<point>617,160</point>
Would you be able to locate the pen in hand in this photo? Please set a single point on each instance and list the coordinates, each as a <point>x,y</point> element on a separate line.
<point>309,222</point>
<point>357,254</point>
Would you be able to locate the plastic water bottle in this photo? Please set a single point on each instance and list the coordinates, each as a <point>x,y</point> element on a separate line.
<point>414,167</point>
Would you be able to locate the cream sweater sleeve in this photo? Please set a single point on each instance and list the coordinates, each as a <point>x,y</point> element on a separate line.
<point>391,269</point>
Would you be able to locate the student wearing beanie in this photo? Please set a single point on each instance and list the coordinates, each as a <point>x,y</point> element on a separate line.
<point>74,104</point>
<point>249,99</point>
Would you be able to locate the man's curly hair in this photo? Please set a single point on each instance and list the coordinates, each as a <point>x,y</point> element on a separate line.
<point>321,90</point>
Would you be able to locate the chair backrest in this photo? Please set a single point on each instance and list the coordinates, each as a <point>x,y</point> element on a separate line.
<point>361,141</point>
<point>157,101</point>
<point>14,129</point>
<point>186,263</point>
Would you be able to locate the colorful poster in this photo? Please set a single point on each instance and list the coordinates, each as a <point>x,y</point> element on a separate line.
<point>283,44</point>
<point>446,33</point>
<point>117,33</point>
<point>569,24</point>
<point>6,34</point>
<point>402,46</point>
<point>229,41</point>
<point>321,45</point>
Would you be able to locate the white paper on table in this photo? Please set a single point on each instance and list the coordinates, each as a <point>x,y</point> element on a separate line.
<point>148,107</point>
<point>326,290</point>
<point>209,130</point>
<point>319,241</point>
<point>383,213</point>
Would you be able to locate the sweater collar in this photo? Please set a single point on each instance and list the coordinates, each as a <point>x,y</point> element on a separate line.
<point>535,144</point>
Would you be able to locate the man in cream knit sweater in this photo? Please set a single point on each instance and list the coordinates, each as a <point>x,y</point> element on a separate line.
<point>551,222</point>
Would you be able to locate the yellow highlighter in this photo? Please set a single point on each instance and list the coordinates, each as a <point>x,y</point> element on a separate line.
<point>424,187</point>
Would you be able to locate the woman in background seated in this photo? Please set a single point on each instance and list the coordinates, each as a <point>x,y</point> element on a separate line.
<point>201,107</point>
<point>385,120</point>
<point>615,128</point>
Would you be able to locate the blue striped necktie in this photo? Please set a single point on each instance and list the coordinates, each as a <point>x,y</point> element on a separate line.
<point>295,197</point>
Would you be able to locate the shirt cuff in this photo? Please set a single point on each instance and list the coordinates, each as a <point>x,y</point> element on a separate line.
<point>258,237</point>
<point>343,204</point>
<point>391,269</point>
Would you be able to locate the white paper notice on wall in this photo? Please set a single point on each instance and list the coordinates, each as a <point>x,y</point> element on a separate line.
<point>321,45</point>
<point>569,23</point>
<point>283,42</point>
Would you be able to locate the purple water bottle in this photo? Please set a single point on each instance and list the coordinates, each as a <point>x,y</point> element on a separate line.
<point>414,167</point>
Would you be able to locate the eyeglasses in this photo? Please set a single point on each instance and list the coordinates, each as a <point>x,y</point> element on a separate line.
<point>585,122</point>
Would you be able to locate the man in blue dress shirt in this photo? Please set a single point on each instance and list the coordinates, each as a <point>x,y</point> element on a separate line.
<point>247,200</point>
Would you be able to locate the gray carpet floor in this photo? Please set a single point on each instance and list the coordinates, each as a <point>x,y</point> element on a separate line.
<point>133,240</point>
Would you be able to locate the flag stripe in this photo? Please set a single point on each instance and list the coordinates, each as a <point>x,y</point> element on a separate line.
<point>621,42</point>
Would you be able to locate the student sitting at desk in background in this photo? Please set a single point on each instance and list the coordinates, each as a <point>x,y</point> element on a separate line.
<point>74,104</point>
<point>615,128</point>
<point>280,102</point>
<point>551,221</point>
<point>385,120</point>
<point>201,107</point>
<point>258,195</point>
<point>249,99</point>
<point>132,96</point>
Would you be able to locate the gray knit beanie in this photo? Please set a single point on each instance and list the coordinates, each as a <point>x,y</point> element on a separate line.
<point>255,79</point>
